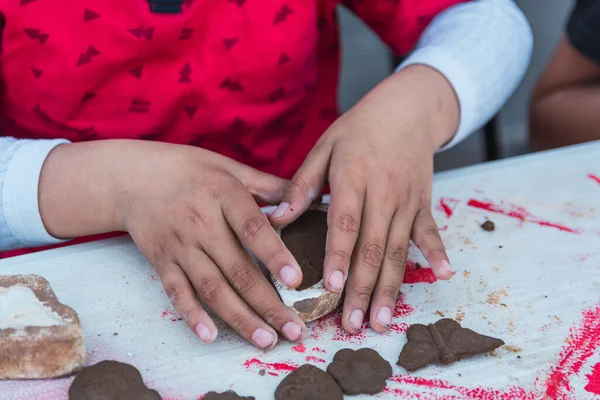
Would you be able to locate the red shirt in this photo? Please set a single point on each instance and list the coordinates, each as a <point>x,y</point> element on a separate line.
<point>254,80</point>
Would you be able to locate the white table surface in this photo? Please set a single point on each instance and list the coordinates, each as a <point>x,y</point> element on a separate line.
<point>534,282</point>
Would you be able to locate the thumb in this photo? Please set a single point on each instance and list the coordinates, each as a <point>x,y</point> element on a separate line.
<point>305,186</point>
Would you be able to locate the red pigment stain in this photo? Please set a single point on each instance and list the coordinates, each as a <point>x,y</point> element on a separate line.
<point>315,359</point>
<point>477,393</point>
<point>594,178</point>
<point>443,228</point>
<point>299,348</point>
<point>412,274</point>
<point>402,309</point>
<point>172,315</point>
<point>593,385</point>
<point>319,350</point>
<point>447,206</point>
<point>271,368</point>
<point>399,327</point>
<point>581,345</point>
<point>518,213</point>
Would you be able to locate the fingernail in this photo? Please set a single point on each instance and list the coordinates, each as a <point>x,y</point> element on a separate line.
<point>262,338</point>
<point>336,280</point>
<point>292,331</point>
<point>280,210</point>
<point>356,319</point>
<point>288,275</point>
<point>204,333</point>
<point>446,265</point>
<point>384,316</point>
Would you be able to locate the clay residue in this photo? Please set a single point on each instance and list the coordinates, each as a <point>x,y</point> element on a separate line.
<point>466,274</point>
<point>496,269</point>
<point>460,316</point>
<point>513,349</point>
<point>495,296</point>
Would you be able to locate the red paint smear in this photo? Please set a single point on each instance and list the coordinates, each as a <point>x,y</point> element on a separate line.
<point>447,206</point>
<point>420,275</point>
<point>402,309</point>
<point>299,348</point>
<point>519,213</point>
<point>272,373</point>
<point>594,178</point>
<point>400,327</point>
<point>478,393</point>
<point>319,350</point>
<point>172,315</point>
<point>315,359</point>
<point>581,345</point>
<point>280,367</point>
<point>593,385</point>
<point>443,228</point>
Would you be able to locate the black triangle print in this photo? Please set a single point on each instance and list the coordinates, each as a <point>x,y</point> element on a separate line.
<point>89,15</point>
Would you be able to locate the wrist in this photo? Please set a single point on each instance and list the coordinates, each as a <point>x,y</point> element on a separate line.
<point>79,191</point>
<point>421,97</point>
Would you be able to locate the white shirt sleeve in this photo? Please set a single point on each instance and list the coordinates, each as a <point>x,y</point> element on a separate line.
<point>483,48</point>
<point>21,163</point>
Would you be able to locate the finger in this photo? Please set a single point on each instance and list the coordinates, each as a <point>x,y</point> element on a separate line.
<point>256,233</point>
<point>343,221</point>
<point>426,236</point>
<point>182,295</point>
<point>265,188</point>
<point>392,271</point>
<point>214,290</point>
<point>305,186</point>
<point>249,283</point>
<point>366,262</point>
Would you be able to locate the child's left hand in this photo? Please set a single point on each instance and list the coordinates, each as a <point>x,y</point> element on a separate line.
<point>378,162</point>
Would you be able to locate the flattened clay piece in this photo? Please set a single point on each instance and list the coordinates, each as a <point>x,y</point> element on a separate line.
<point>488,226</point>
<point>362,371</point>
<point>308,383</point>
<point>110,380</point>
<point>39,336</point>
<point>228,395</point>
<point>305,238</point>
<point>444,342</point>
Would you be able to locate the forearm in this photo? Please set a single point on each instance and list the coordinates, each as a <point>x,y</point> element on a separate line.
<point>564,117</point>
<point>483,49</point>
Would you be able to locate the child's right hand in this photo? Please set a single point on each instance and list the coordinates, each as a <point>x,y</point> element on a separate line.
<point>187,209</point>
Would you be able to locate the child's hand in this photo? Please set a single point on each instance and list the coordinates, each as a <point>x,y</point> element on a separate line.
<point>378,161</point>
<point>187,209</point>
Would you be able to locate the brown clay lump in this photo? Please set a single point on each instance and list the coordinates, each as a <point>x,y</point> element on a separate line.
<point>362,371</point>
<point>228,395</point>
<point>443,342</point>
<point>488,226</point>
<point>305,238</point>
<point>110,380</point>
<point>308,383</point>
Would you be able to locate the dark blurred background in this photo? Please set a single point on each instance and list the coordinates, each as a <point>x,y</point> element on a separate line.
<point>366,61</point>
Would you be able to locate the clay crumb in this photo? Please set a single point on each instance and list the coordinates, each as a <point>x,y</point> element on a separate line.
<point>418,266</point>
<point>503,305</point>
<point>262,372</point>
<point>518,356</point>
<point>441,314</point>
<point>488,226</point>
<point>494,297</point>
<point>115,334</point>
<point>546,297</point>
<point>466,274</point>
<point>500,247</point>
<point>496,269</point>
<point>513,349</point>
<point>459,317</point>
